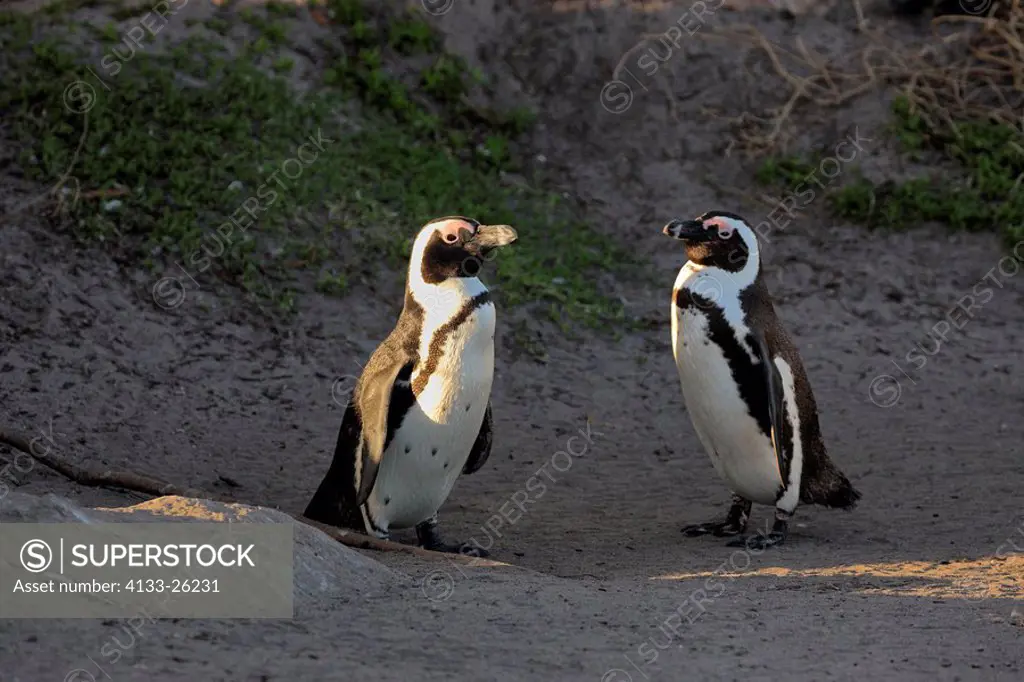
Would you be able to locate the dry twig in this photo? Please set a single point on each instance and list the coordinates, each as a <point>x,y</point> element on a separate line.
<point>974,71</point>
<point>57,188</point>
<point>129,480</point>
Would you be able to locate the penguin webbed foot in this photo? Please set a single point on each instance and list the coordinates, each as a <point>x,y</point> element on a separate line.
<point>717,528</point>
<point>759,541</point>
<point>465,549</point>
<point>735,522</point>
<point>763,541</point>
<point>429,537</point>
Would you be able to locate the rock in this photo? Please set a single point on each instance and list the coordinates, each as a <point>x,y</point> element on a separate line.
<point>324,570</point>
<point>22,508</point>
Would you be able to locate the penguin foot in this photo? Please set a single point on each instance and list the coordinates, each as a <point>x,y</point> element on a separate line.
<point>734,524</point>
<point>430,538</point>
<point>465,549</point>
<point>717,528</point>
<point>761,541</point>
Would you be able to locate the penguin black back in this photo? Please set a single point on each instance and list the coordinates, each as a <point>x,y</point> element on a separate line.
<point>821,482</point>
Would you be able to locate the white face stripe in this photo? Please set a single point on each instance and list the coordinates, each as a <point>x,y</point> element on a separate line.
<point>439,301</point>
<point>727,227</point>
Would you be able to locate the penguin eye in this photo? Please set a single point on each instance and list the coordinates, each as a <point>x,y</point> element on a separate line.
<point>450,238</point>
<point>724,231</point>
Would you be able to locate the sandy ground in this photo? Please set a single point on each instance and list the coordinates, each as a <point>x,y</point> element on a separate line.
<point>905,587</point>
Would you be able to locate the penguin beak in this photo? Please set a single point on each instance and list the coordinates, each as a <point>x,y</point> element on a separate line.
<point>689,231</point>
<point>492,236</point>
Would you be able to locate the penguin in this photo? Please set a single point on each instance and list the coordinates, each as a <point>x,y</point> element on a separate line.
<point>744,384</point>
<point>420,413</point>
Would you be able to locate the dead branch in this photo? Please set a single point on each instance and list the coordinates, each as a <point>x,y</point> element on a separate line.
<point>974,70</point>
<point>125,480</point>
<point>149,485</point>
<point>58,187</point>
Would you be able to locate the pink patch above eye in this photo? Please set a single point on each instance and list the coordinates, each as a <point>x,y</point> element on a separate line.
<point>449,229</point>
<point>724,231</point>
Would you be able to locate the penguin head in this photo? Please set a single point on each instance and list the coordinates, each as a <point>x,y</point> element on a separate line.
<point>717,238</point>
<point>456,246</point>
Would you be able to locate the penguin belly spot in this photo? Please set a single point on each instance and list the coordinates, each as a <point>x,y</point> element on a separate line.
<point>740,452</point>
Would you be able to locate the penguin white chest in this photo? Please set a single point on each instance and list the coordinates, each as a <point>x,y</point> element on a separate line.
<point>431,447</point>
<point>741,453</point>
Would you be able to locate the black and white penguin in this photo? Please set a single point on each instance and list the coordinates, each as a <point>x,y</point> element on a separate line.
<point>744,384</point>
<point>420,414</point>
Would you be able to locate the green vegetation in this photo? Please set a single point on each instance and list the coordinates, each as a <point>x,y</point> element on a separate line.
<point>124,12</point>
<point>986,192</point>
<point>285,10</point>
<point>60,7</point>
<point>183,141</point>
<point>411,36</point>
<point>271,31</point>
<point>784,171</point>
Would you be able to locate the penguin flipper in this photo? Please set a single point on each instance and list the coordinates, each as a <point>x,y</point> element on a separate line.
<point>482,447</point>
<point>776,405</point>
<point>373,400</point>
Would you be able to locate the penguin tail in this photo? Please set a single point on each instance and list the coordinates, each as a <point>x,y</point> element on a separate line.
<point>327,508</point>
<point>333,504</point>
<point>843,496</point>
<point>324,508</point>
<point>830,488</point>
